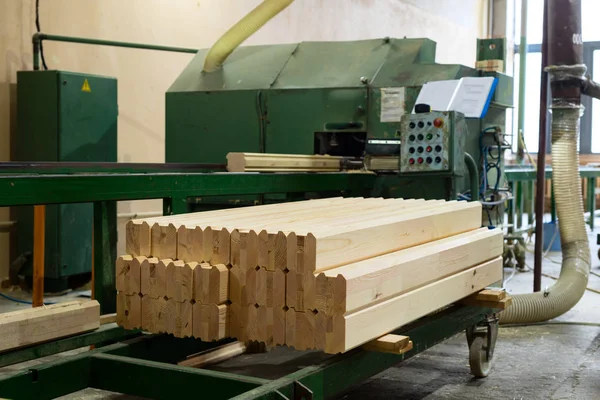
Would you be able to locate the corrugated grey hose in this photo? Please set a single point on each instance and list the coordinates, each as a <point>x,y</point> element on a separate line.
<point>573,279</point>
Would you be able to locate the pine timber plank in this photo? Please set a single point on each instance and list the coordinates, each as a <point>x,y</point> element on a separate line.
<point>279,327</point>
<point>367,282</point>
<point>137,238</point>
<point>190,243</point>
<point>214,356</point>
<point>163,241</point>
<point>393,344</point>
<point>290,328</point>
<point>256,227</point>
<point>353,330</point>
<point>218,291</point>
<point>499,304</point>
<point>180,280</point>
<point>122,266</point>
<point>129,310</point>
<point>40,324</point>
<point>490,295</point>
<point>129,274</point>
<point>138,231</point>
<point>154,318</point>
<point>238,315</point>
<point>245,162</point>
<point>153,281</point>
<point>355,242</point>
<point>179,318</point>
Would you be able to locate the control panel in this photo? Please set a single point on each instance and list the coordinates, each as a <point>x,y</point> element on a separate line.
<point>427,142</point>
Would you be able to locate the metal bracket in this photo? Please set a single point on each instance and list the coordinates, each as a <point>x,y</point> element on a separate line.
<point>301,392</point>
<point>490,327</point>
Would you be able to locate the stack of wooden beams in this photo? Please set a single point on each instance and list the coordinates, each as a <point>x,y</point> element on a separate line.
<point>328,274</point>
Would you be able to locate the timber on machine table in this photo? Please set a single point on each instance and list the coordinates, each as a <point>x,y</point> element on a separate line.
<point>132,363</point>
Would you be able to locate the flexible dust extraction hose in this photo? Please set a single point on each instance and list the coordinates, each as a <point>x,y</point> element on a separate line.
<point>241,31</point>
<point>573,279</point>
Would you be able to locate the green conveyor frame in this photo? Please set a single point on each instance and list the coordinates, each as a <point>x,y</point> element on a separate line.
<point>146,365</point>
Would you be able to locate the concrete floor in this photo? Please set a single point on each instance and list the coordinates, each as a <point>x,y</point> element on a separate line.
<point>559,360</point>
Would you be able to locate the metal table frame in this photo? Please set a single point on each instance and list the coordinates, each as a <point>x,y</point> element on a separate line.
<point>144,366</point>
<point>523,179</point>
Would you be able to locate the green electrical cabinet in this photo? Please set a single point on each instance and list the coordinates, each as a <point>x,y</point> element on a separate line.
<point>68,117</point>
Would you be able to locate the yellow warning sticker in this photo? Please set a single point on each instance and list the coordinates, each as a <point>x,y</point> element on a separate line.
<point>86,86</point>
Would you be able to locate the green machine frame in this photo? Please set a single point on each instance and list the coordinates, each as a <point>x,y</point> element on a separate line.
<point>146,365</point>
<point>133,363</point>
<point>64,117</point>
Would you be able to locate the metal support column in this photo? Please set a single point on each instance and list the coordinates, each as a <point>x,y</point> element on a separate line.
<point>105,254</point>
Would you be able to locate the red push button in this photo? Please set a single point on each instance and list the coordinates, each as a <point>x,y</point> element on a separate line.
<point>438,122</point>
<point>420,160</point>
<point>411,161</point>
<point>429,149</point>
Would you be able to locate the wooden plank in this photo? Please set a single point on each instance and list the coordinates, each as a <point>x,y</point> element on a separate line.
<point>279,325</point>
<point>217,245</point>
<point>377,279</point>
<point>390,343</point>
<point>180,280</point>
<point>164,241</point>
<point>490,295</point>
<point>179,318</point>
<point>128,274</point>
<point>154,318</point>
<point>290,328</point>
<point>153,281</point>
<point>499,304</point>
<point>237,321</point>
<point>210,321</point>
<point>366,239</point>
<point>122,268</point>
<point>137,238</point>
<point>382,163</point>
<point>214,356</point>
<point>41,324</point>
<point>108,318</point>
<point>190,243</point>
<point>246,162</point>
<point>129,310</point>
<point>353,330</point>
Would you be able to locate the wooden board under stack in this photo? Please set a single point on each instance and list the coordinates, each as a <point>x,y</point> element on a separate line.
<point>329,274</point>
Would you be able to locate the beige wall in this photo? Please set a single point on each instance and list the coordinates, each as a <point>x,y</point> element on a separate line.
<point>144,76</point>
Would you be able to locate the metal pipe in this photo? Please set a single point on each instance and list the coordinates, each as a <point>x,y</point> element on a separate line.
<point>565,71</point>
<point>541,161</point>
<point>39,247</point>
<point>39,37</point>
<point>473,176</point>
<point>522,81</point>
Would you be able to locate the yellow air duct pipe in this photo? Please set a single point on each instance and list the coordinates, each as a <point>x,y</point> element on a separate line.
<point>241,31</point>
<point>570,287</point>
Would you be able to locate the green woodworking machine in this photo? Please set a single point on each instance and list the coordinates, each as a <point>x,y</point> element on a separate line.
<point>352,99</point>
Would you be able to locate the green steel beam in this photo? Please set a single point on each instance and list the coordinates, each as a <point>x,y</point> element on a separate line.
<point>80,188</point>
<point>118,368</point>
<point>156,380</point>
<point>106,333</point>
<point>104,254</point>
<point>529,174</point>
<point>344,371</point>
<point>13,167</point>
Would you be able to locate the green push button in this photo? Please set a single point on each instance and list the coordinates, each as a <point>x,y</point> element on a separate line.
<point>429,136</point>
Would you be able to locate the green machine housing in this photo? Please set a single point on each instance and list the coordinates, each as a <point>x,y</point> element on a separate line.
<point>318,98</point>
<point>64,116</point>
